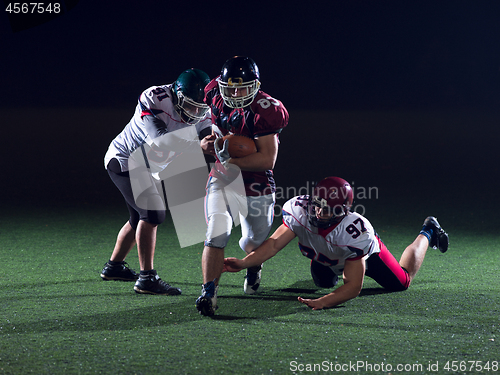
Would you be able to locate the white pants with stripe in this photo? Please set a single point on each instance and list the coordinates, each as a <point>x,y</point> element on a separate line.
<point>224,205</point>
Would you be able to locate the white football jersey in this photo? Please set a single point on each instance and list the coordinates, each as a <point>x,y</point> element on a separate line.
<point>352,238</point>
<point>154,100</point>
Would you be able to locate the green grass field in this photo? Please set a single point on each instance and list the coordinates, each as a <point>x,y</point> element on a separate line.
<point>59,218</point>
<point>59,317</point>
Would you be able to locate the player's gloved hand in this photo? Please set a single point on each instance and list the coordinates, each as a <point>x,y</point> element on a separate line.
<point>222,153</point>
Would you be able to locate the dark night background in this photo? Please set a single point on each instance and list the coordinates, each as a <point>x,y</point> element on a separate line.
<point>399,95</point>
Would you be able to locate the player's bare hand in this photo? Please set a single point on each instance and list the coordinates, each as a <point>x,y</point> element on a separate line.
<point>207,144</point>
<point>312,303</point>
<point>232,265</point>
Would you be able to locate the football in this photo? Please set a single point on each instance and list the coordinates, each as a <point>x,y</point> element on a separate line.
<point>238,145</point>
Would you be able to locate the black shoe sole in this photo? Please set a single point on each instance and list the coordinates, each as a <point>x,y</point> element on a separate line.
<point>110,278</point>
<point>172,292</point>
<point>443,242</point>
<point>442,238</point>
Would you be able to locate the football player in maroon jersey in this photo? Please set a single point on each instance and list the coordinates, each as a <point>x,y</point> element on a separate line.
<point>238,106</point>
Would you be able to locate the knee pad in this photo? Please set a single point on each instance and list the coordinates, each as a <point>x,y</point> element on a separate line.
<point>323,276</point>
<point>218,241</point>
<point>150,200</point>
<point>151,217</point>
<point>218,230</point>
<point>154,217</point>
<point>248,244</point>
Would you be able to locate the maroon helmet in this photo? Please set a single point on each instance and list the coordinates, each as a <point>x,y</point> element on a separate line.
<point>334,195</point>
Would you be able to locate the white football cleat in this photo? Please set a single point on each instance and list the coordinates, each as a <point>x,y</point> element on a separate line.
<point>252,281</point>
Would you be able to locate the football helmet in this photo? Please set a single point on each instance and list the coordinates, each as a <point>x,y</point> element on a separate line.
<point>189,90</point>
<point>239,81</point>
<point>334,196</point>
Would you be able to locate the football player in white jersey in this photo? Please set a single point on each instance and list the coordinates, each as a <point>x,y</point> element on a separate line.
<point>161,110</point>
<point>342,243</point>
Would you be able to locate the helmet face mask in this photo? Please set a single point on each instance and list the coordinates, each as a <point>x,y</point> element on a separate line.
<point>189,90</point>
<point>324,216</point>
<point>239,82</point>
<point>238,94</point>
<point>191,112</point>
<point>329,202</point>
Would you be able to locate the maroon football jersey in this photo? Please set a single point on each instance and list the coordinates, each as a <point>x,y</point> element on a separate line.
<point>264,116</point>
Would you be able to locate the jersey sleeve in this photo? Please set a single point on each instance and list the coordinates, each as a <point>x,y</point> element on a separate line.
<point>204,124</point>
<point>290,214</point>
<point>210,91</point>
<point>287,215</point>
<point>151,98</point>
<point>271,116</point>
<point>363,244</point>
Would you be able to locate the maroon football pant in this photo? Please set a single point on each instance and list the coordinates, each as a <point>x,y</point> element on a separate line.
<point>385,270</point>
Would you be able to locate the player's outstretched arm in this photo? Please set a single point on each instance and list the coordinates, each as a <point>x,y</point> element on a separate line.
<point>354,272</point>
<point>278,240</point>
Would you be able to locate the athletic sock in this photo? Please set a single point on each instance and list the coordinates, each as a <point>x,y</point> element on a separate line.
<point>427,232</point>
<point>255,269</point>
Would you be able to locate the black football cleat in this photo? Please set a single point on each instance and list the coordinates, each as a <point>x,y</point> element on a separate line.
<point>152,284</point>
<point>439,238</point>
<point>120,272</point>
<point>206,304</point>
